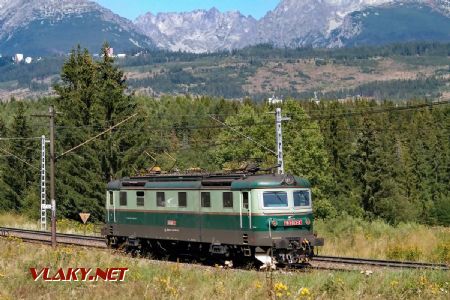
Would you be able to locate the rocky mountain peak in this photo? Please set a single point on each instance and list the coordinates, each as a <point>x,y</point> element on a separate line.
<point>199,30</point>
<point>55,26</point>
<point>16,13</point>
<point>299,23</point>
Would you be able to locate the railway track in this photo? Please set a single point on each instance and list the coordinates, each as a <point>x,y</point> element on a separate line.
<point>318,262</point>
<point>45,237</point>
<point>352,261</point>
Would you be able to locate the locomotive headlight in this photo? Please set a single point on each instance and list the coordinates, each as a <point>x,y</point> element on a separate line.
<point>307,221</point>
<point>274,223</point>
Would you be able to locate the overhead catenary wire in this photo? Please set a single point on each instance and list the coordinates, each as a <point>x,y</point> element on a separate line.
<point>19,138</point>
<point>308,110</point>
<point>98,135</point>
<point>384,110</point>
<point>18,158</point>
<point>247,124</point>
<point>247,137</point>
<point>231,127</point>
<point>308,114</point>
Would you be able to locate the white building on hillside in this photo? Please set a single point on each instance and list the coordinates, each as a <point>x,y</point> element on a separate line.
<point>18,57</point>
<point>110,52</point>
<point>274,100</point>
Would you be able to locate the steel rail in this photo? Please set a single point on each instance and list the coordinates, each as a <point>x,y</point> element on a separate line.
<point>380,263</point>
<point>45,237</point>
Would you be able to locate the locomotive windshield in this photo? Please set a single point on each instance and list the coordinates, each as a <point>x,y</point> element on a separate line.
<point>298,199</point>
<point>275,199</point>
<point>301,198</point>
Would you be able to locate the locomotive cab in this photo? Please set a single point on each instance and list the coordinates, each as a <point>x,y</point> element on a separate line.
<point>281,218</point>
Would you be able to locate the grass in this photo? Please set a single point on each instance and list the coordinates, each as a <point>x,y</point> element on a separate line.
<point>148,279</point>
<point>347,236</point>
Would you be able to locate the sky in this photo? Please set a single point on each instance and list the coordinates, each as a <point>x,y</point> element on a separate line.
<point>133,8</point>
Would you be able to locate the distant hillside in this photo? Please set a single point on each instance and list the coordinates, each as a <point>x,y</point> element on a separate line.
<point>47,37</point>
<point>394,23</point>
<point>46,27</point>
<point>399,71</point>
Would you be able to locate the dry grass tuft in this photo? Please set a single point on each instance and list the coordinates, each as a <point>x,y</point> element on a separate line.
<point>346,236</point>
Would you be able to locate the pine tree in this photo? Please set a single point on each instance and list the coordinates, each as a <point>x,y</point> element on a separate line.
<point>364,166</point>
<point>18,174</point>
<point>79,185</point>
<point>6,193</point>
<point>113,107</point>
<point>339,142</point>
<point>391,200</point>
<point>91,99</point>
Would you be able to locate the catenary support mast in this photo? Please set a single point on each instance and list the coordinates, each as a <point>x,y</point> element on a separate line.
<point>44,205</point>
<point>51,114</point>
<point>279,138</point>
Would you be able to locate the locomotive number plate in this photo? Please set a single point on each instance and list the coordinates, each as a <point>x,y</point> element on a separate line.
<point>171,223</point>
<point>293,222</point>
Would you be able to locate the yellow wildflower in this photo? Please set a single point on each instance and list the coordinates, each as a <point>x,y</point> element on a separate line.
<point>280,289</point>
<point>304,292</point>
<point>423,280</point>
<point>394,283</point>
<point>279,286</point>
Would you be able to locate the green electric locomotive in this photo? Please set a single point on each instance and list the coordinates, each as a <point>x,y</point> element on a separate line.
<point>265,217</point>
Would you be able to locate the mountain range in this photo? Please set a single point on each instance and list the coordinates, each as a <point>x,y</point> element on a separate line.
<point>43,27</point>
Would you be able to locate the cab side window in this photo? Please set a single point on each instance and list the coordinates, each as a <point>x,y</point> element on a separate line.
<point>160,199</point>
<point>111,198</point>
<point>245,200</point>
<point>182,199</point>
<point>227,199</point>
<point>140,198</point>
<point>206,199</point>
<point>123,199</point>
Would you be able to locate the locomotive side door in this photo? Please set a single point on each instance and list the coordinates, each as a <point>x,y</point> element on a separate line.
<point>198,219</point>
<point>245,211</point>
<point>111,205</point>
